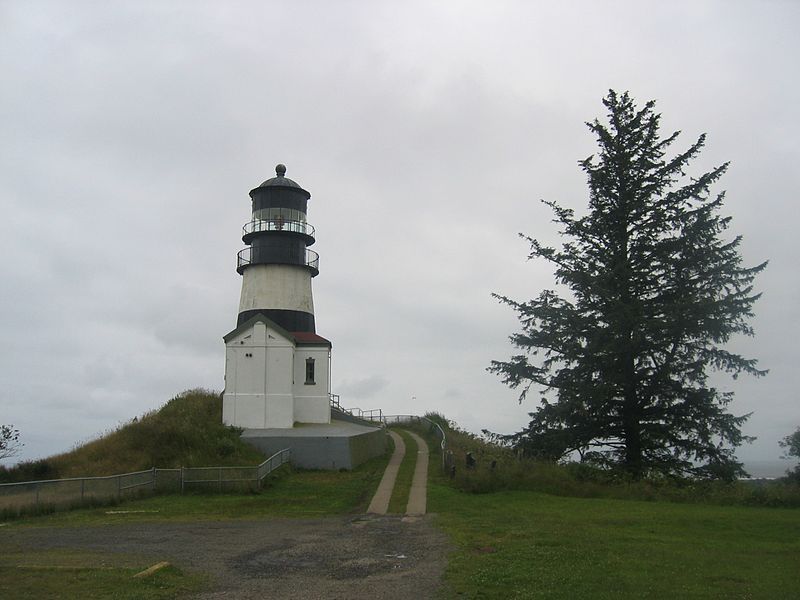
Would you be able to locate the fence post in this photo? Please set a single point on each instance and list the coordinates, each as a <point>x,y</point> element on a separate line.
<point>119,487</point>
<point>154,480</point>
<point>181,480</point>
<point>83,486</point>
<point>219,478</point>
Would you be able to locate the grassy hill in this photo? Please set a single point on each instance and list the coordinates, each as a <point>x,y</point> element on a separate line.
<point>187,431</point>
<point>498,468</point>
<point>519,530</point>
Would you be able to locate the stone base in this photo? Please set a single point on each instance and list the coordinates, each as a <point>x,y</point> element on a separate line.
<point>335,445</point>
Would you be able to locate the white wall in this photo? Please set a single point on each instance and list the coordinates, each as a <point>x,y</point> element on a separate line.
<point>284,287</point>
<point>258,379</point>
<point>311,402</point>
<point>265,381</point>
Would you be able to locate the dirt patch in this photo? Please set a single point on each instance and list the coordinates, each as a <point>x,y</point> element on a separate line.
<point>366,557</point>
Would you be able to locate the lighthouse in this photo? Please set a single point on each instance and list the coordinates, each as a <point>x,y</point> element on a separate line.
<point>277,369</point>
<point>277,265</point>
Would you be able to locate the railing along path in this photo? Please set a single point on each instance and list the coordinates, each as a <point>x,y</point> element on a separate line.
<point>82,490</point>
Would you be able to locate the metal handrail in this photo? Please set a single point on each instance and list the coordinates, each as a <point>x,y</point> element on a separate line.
<point>386,419</point>
<point>125,482</point>
<point>92,478</point>
<point>283,457</point>
<point>369,414</point>
<point>376,414</point>
<point>245,257</point>
<point>259,225</point>
<point>312,259</point>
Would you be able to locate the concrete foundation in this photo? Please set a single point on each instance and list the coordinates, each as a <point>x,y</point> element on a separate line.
<point>335,445</point>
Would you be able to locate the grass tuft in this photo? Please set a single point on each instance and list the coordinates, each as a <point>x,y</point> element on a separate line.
<point>511,472</point>
<point>187,431</point>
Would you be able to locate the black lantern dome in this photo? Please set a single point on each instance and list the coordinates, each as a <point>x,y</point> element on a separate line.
<point>280,180</point>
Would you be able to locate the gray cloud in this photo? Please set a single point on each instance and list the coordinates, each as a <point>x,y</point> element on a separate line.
<point>133,132</point>
<point>363,389</point>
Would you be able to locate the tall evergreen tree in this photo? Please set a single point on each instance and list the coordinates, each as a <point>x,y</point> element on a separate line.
<point>654,293</point>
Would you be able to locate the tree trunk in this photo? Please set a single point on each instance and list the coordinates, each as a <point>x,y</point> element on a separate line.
<point>631,419</point>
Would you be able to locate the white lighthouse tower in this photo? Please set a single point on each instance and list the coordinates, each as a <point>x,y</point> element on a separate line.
<point>277,369</point>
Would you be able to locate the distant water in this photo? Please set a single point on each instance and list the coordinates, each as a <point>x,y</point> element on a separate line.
<point>768,469</point>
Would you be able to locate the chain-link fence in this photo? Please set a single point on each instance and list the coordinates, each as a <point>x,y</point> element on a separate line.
<point>16,498</point>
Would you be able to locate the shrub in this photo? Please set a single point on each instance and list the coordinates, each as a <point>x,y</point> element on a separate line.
<point>498,467</point>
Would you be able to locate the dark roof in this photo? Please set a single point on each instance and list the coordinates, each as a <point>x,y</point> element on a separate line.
<point>307,338</point>
<point>280,180</point>
<point>300,338</point>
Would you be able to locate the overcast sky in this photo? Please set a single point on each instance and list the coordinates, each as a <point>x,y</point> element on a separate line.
<point>426,132</point>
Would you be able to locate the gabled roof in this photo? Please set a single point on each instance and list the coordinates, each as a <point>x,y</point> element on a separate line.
<point>258,317</point>
<point>300,338</point>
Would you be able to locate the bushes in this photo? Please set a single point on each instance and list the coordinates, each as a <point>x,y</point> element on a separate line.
<point>499,468</point>
<point>29,471</point>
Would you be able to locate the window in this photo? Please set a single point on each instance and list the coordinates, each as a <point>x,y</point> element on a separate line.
<point>280,214</point>
<point>310,371</point>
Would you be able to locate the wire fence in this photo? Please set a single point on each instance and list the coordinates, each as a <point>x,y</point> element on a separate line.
<point>16,498</point>
<point>435,429</point>
<point>376,415</point>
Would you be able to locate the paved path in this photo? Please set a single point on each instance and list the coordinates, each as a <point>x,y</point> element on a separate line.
<point>380,501</point>
<point>417,497</point>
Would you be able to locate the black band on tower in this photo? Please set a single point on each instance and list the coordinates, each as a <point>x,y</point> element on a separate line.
<point>290,320</point>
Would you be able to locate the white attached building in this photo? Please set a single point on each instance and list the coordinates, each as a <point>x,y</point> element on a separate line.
<point>275,378</point>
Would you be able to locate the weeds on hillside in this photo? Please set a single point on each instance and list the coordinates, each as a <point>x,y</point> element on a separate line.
<point>497,468</point>
<point>187,431</point>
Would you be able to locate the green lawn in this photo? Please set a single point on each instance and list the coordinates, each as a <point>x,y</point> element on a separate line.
<point>71,573</point>
<point>510,544</point>
<point>287,494</point>
<point>33,573</point>
<point>530,545</point>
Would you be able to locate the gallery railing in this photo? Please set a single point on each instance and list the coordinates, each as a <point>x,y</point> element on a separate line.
<point>259,225</point>
<point>245,257</point>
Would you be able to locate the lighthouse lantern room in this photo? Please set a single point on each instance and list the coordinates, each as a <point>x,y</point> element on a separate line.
<point>277,369</point>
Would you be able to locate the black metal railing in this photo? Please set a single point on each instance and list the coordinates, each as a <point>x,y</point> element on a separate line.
<point>259,225</point>
<point>245,257</point>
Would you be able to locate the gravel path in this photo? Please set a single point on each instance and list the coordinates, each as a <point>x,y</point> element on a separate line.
<point>380,501</point>
<point>418,494</point>
<point>365,557</point>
